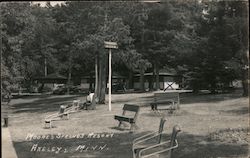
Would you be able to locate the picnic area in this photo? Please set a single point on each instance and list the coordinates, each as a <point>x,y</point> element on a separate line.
<point>211,126</point>
<point>125,79</point>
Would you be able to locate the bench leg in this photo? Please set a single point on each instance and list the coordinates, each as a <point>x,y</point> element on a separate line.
<point>120,123</point>
<point>50,124</point>
<point>66,115</point>
<point>135,153</point>
<point>153,106</point>
<point>133,127</point>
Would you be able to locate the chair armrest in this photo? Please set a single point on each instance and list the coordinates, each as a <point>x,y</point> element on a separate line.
<point>146,139</point>
<point>143,137</point>
<point>157,152</point>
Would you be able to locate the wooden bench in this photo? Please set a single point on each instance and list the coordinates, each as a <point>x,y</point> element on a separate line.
<point>128,118</point>
<point>162,147</point>
<point>166,98</point>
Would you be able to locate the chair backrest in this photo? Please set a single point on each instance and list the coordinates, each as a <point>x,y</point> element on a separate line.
<point>176,130</point>
<point>130,107</point>
<point>162,122</point>
<point>164,96</point>
<point>76,102</point>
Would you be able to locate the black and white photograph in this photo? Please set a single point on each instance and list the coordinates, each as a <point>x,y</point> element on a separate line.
<point>125,79</point>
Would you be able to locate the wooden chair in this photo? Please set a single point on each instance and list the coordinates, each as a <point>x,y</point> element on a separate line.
<point>128,118</point>
<point>142,142</point>
<point>166,147</point>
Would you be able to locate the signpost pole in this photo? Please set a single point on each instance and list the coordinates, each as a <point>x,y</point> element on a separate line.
<point>110,84</point>
<point>110,45</point>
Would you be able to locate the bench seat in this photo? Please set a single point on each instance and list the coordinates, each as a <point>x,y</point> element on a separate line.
<point>126,119</point>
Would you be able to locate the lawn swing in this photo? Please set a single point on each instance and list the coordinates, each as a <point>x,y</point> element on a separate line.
<point>63,112</point>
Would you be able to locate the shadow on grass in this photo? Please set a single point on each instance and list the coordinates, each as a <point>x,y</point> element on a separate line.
<point>190,98</point>
<point>48,103</point>
<point>241,111</point>
<point>42,105</point>
<point>120,128</point>
<point>195,146</point>
<point>190,146</point>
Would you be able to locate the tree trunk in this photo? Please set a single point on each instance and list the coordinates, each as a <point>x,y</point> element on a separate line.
<point>213,87</point>
<point>103,78</point>
<point>131,84</point>
<point>157,80</point>
<point>45,67</point>
<point>245,69</point>
<point>91,83</point>
<point>96,74</point>
<point>99,79</point>
<point>244,39</point>
<point>154,78</point>
<point>142,88</point>
<point>69,80</point>
<point>150,82</point>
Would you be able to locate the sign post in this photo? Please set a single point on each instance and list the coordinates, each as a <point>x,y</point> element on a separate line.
<point>110,45</point>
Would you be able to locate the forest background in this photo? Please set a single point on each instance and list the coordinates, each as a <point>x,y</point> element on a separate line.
<point>205,42</point>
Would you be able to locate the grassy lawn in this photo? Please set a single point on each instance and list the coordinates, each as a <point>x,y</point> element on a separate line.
<point>212,126</point>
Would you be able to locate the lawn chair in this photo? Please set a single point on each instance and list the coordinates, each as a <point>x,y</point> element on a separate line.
<point>160,148</point>
<point>142,142</point>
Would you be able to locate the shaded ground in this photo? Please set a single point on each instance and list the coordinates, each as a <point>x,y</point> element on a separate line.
<point>212,126</point>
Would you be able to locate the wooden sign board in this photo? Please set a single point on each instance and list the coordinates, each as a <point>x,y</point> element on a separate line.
<point>112,45</point>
